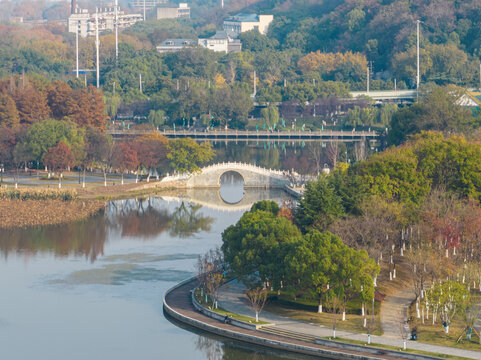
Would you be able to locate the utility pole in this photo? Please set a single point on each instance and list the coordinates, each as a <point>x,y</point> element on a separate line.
<point>144,10</point>
<point>255,85</point>
<point>368,79</point>
<point>97,45</point>
<point>116,31</point>
<point>76,46</point>
<point>417,48</point>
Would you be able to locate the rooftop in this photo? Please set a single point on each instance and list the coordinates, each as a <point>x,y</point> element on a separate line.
<point>243,18</point>
<point>177,42</point>
<point>219,35</point>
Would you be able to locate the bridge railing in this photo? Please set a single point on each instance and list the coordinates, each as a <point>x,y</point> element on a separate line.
<point>252,133</point>
<point>228,166</point>
<point>243,166</point>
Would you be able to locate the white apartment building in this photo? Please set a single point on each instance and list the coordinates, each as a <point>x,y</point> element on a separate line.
<point>84,22</point>
<point>138,5</point>
<point>236,24</point>
<point>220,42</point>
<point>182,11</point>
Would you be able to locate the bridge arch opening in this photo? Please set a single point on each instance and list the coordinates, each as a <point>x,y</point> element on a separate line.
<point>231,189</point>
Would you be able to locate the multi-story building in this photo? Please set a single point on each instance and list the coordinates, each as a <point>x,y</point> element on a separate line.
<point>174,45</point>
<point>139,5</point>
<point>236,24</point>
<point>221,42</point>
<point>182,11</point>
<point>84,22</point>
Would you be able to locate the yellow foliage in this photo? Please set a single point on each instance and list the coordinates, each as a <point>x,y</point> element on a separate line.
<point>53,50</point>
<point>329,62</point>
<point>219,80</point>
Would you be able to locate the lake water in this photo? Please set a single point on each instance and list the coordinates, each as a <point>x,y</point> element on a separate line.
<point>93,289</point>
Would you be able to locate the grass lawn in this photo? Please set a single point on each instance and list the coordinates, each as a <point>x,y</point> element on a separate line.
<point>303,309</point>
<point>353,322</point>
<point>381,346</point>
<point>201,300</point>
<point>434,334</point>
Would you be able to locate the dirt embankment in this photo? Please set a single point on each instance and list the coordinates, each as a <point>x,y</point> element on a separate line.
<point>25,207</point>
<point>24,213</point>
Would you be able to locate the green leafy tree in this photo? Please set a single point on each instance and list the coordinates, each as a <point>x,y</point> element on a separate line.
<point>319,207</point>
<point>254,41</point>
<point>354,275</point>
<point>42,136</point>
<point>266,205</point>
<point>310,264</point>
<point>447,299</point>
<point>156,117</point>
<point>186,155</point>
<point>270,115</point>
<point>257,243</point>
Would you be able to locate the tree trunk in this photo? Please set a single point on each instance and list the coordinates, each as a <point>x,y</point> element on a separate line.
<point>83,181</point>
<point>105,178</point>
<point>319,308</point>
<point>257,316</point>
<point>122,182</point>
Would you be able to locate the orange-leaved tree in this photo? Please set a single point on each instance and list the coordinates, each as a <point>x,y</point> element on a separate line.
<point>59,158</point>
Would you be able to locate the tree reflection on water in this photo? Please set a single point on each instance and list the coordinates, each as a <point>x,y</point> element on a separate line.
<point>187,221</point>
<point>136,218</point>
<point>84,238</point>
<point>217,348</point>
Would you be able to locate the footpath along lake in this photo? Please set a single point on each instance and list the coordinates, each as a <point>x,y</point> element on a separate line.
<point>93,289</point>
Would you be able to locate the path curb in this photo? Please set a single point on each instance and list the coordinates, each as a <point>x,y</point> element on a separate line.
<point>283,345</point>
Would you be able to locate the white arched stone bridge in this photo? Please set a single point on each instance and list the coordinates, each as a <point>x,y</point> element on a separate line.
<point>209,176</point>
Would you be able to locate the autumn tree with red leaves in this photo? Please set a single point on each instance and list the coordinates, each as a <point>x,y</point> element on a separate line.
<point>124,158</point>
<point>31,104</point>
<point>152,150</point>
<point>90,109</point>
<point>61,100</point>
<point>58,159</point>
<point>8,112</point>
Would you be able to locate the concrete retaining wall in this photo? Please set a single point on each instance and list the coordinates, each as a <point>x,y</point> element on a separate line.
<point>217,316</point>
<point>302,349</point>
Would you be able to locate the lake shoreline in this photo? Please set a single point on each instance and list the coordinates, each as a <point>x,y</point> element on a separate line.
<point>28,207</point>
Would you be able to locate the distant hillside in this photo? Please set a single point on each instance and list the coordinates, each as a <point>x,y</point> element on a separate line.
<point>384,30</point>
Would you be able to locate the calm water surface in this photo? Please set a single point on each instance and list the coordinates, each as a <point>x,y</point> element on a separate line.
<point>93,290</point>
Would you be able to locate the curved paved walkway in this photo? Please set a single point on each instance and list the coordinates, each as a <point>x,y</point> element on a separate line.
<point>180,301</point>
<point>394,311</point>
<point>232,298</point>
